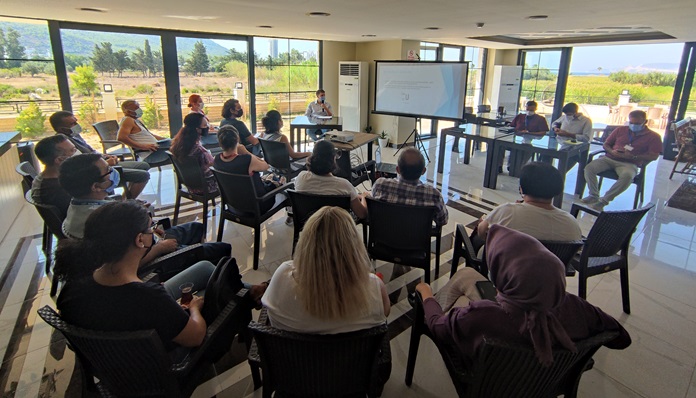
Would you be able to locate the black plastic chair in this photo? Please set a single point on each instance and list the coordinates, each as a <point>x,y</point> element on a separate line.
<point>305,204</point>
<point>402,234</point>
<point>638,180</point>
<point>502,369</point>
<point>565,251</point>
<point>463,247</point>
<point>135,364</point>
<point>53,225</point>
<point>605,134</point>
<point>189,176</point>
<point>308,365</point>
<point>606,247</point>
<point>240,204</point>
<point>108,134</point>
<point>276,154</point>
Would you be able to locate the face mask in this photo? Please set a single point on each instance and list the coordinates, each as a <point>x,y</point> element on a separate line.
<point>201,105</point>
<point>570,117</point>
<point>138,113</point>
<point>635,127</point>
<point>240,112</point>
<point>322,99</point>
<point>204,131</point>
<point>148,248</point>
<point>530,113</point>
<point>115,179</point>
<point>76,129</point>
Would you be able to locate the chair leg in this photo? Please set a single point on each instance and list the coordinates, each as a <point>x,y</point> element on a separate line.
<point>624,290</point>
<point>365,233</point>
<point>205,217</point>
<point>177,204</point>
<point>413,350</point>
<point>54,286</point>
<point>438,242</point>
<point>45,236</point>
<point>257,243</point>
<point>582,285</point>
<point>255,375</point>
<point>457,252</point>
<point>221,227</point>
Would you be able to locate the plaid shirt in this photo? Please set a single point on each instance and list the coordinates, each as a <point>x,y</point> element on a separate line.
<point>412,193</point>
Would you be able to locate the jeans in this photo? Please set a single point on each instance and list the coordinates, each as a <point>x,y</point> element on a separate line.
<point>192,233</point>
<point>198,274</point>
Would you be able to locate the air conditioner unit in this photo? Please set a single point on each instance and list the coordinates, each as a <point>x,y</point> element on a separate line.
<point>352,94</point>
<point>506,88</point>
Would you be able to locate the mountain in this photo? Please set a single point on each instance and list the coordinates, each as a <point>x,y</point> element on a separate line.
<point>81,42</point>
<point>653,67</point>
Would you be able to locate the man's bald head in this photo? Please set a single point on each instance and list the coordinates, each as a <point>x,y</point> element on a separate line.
<point>411,164</point>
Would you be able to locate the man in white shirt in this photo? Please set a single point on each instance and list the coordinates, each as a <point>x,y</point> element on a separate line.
<point>572,127</point>
<point>318,108</point>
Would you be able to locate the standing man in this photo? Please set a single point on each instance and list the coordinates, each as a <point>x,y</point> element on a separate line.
<point>135,173</point>
<point>133,133</point>
<point>318,108</point>
<point>628,148</point>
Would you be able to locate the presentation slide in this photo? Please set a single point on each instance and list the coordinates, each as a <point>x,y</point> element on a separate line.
<point>421,89</point>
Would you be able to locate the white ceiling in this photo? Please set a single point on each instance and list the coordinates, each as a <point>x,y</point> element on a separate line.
<point>387,19</point>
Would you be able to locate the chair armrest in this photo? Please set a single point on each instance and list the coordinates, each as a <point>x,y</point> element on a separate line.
<point>469,246</point>
<point>577,207</point>
<point>278,190</point>
<point>595,153</point>
<point>112,142</point>
<point>191,253</point>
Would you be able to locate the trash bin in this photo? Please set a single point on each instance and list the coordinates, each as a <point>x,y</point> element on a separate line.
<point>26,153</point>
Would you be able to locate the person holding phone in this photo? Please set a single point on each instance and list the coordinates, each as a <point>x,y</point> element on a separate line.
<point>320,107</point>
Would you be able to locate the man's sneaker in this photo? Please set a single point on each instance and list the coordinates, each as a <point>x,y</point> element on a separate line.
<point>588,200</point>
<point>599,205</point>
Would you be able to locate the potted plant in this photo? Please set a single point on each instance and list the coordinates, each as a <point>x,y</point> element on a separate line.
<point>383,139</point>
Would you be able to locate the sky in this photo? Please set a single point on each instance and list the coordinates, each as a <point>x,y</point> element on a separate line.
<point>262,45</point>
<point>613,58</point>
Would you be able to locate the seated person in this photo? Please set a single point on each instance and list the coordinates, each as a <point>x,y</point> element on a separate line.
<point>328,287</point>
<point>133,133</point>
<point>627,149</point>
<point>572,127</point>
<point>527,123</point>
<point>195,102</point>
<point>88,177</point>
<point>532,304</point>
<point>272,123</point>
<point>320,107</point>
<point>535,215</point>
<point>187,144</point>
<point>319,180</point>
<point>46,189</point>
<point>135,173</point>
<point>231,112</point>
<point>407,189</point>
<point>232,161</point>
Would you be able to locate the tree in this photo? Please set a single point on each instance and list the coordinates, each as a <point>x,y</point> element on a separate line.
<point>72,61</point>
<point>32,68</point>
<point>152,117</point>
<point>2,48</point>
<point>87,114</point>
<point>103,59</point>
<point>30,121</point>
<point>123,62</point>
<point>198,62</point>
<point>157,63</point>
<point>148,58</point>
<point>85,80</point>
<point>138,62</point>
<point>13,49</point>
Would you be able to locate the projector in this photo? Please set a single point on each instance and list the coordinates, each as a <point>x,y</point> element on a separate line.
<point>340,136</point>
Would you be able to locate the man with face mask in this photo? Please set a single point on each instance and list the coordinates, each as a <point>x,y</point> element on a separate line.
<point>135,174</point>
<point>627,148</point>
<point>88,178</point>
<point>52,152</point>
<point>133,133</point>
<point>528,123</point>
<point>318,108</point>
<point>232,113</point>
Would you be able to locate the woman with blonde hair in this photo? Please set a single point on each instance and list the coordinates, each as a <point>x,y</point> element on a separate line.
<point>328,287</point>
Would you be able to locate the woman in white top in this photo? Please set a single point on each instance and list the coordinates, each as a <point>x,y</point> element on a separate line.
<point>272,123</point>
<point>319,180</point>
<point>328,287</point>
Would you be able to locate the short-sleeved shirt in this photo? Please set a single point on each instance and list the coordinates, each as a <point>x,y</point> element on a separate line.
<point>315,109</point>
<point>411,193</point>
<point>242,129</point>
<point>644,143</point>
<point>542,224</point>
<point>131,307</point>
<point>580,125</point>
<point>48,191</point>
<point>79,210</point>
<point>309,182</point>
<point>534,123</point>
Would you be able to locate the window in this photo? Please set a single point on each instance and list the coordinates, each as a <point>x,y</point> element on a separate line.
<point>474,85</point>
<point>539,78</point>
<point>28,89</point>
<point>428,51</point>
<point>287,76</point>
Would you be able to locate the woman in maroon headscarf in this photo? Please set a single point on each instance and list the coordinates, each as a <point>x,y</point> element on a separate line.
<point>532,304</point>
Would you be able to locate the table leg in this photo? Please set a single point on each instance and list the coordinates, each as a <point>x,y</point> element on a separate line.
<point>563,168</point>
<point>441,152</point>
<point>455,146</point>
<point>580,182</point>
<point>491,167</point>
<point>467,150</point>
<point>292,138</point>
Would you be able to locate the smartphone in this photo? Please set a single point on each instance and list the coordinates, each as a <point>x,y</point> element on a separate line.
<point>486,290</point>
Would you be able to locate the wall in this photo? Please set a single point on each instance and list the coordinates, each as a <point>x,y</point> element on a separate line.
<point>332,53</point>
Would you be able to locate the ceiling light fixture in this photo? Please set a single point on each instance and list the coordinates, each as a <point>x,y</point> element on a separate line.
<point>479,25</point>
<point>91,9</point>
<point>432,28</point>
<point>318,14</point>
<point>265,26</point>
<point>537,17</point>
<point>369,35</point>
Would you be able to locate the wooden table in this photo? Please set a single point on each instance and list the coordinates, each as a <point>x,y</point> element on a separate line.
<point>547,146</point>
<point>344,166</point>
<point>303,122</point>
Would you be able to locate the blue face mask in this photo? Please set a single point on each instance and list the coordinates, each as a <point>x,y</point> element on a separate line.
<point>115,179</point>
<point>635,127</point>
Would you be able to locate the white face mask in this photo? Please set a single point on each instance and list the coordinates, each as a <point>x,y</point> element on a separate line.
<point>138,113</point>
<point>76,129</point>
<point>530,113</point>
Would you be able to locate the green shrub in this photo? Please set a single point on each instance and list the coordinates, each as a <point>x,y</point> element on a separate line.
<point>152,116</point>
<point>144,89</point>
<point>30,121</point>
<point>87,115</point>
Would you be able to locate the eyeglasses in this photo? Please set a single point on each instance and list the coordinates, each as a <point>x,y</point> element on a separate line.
<point>151,229</point>
<point>109,169</point>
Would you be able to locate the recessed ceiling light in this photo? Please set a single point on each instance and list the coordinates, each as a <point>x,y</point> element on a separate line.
<point>192,17</point>
<point>265,26</point>
<point>318,14</point>
<point>432,28</point>
<point>92,9</point>
<point>537,17</point>
<point>369,35</point>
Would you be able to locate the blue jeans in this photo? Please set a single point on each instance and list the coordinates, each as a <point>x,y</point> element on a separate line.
<point>198,274</point>
<point>191,233</point>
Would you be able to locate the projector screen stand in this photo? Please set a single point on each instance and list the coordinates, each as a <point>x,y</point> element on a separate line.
<point>417,142</point>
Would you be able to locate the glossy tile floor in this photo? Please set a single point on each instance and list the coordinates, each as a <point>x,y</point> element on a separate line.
<point>660,363</point>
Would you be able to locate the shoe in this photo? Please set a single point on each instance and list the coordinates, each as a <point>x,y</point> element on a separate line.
<point>588,200</point>
<point>288,220</point>
<point>500,169</point>
<point>599,205</point>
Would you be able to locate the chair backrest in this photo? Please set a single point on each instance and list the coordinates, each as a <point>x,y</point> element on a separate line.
<point>28,173</point>
<point>612,231</point>
<point>108,131</point>
<point>565,251</point>
<point>237,191</point>
<point>607,131</point>
<point>50,214</point>
<point>399,227</point>
<point>276,154</point>
<point>304,365</point>
<point>305,204</point>
<point>483,108</point>
<point>188,172</point>
<point>130,364</point>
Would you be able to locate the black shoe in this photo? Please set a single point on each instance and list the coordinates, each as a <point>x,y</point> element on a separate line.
<point>500,169</point>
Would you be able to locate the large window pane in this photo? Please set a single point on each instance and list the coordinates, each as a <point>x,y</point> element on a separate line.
<point>28,89</point>
<point>217,70</point>
<point>539,78</point>
<point>130,63</point>
<point>451,54</point>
